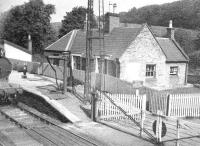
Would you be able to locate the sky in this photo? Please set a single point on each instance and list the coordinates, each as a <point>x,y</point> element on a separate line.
<point>63,6</point>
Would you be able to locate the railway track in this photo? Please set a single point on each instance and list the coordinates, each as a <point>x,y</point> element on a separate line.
<point>44,131</point>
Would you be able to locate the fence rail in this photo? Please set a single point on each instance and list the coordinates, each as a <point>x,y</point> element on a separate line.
<point>184,105</point>
<point>104,82</point>
<point>177,105</point>
<point>133,105</point>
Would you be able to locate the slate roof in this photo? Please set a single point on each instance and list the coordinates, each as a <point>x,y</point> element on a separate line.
<point>119,39</point>
<point>116,43</point>
<point>172,52</point>
<point>61,44</point>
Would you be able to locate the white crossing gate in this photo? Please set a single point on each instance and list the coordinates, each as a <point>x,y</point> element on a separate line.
<point>133,105</point>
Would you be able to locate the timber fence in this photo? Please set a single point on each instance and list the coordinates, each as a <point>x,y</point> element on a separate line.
<point>184,105</point>
<point>32,67</point>
<point>132,104</point>
<point>104,82</point>
<point>129,112</point>
<point>176,105</point>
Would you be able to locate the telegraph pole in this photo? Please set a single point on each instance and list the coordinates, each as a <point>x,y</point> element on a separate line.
<point>110,4</point>
<point>114,6</point>
<point>87,87</point>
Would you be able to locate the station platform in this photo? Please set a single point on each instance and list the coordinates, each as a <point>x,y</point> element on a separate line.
<point>70,107</point>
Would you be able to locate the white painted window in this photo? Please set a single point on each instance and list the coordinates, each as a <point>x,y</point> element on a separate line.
<point>150,70</point>
<point>173,70</point>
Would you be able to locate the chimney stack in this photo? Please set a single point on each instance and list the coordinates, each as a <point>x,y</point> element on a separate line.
<point>111,21</point>
<point>29,43</point>
<point>170,30</point>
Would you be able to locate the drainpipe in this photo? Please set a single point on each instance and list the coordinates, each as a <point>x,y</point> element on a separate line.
<point>186,73</point>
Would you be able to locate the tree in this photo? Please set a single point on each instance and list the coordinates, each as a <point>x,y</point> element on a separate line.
<point>184,38</point>
<point>74,20</point>
<point>2,19</point>
<point>30,18</point>
<point>184,13</point>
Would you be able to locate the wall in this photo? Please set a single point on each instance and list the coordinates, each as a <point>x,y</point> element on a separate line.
<point>143,50</point>
<point>111,21</point>
<point>14,53</point>
<point>176,80</point>
<point>32,67</point>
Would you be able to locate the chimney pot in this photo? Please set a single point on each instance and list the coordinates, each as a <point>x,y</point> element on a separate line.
<point>170,31</point>
<point>170,24</point>
<point>29,37</point>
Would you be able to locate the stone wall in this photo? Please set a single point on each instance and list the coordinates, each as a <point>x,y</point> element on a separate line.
<point>145,50</point>
<point>175,80</point>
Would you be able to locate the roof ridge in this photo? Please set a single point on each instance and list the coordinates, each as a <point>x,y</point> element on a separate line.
<point>180,49</point>
<point>161,38</point>
<point>58,40</point>
<point>156,40</point>
<point>71,40</point>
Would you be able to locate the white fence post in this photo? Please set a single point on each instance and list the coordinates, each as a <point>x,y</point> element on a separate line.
<point>142,122</point>
<point>169,105</point>
<point>178,132</point>
<point>159,127</point>
<point>137,92</point>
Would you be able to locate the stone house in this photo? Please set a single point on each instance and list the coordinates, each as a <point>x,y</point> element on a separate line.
<point>132,53</point>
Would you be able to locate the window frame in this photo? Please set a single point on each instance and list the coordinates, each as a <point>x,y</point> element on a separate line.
<point>56,61</point>
<point>174,73</point>
<point>151,73</point>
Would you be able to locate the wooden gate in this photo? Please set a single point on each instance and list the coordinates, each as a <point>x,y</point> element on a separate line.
<point>131,104</point>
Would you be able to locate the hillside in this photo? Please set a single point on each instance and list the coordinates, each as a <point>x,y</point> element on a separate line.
<point>185,37</point>
<point>184,13</point>
<point>186,19</point>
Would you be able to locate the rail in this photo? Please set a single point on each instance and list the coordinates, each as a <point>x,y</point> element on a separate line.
<point>34,126</point>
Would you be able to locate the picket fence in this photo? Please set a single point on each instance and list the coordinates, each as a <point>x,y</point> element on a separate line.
<point>176,105</point>
<point>184,105</point>
<point>133,105</point>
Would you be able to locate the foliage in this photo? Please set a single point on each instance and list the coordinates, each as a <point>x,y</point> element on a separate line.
<point>30,18</point>
<point>184,13</point>
<point>2,19</point>
<point>74,20</point>
<point>194,59</point>
<point>184,38</point>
